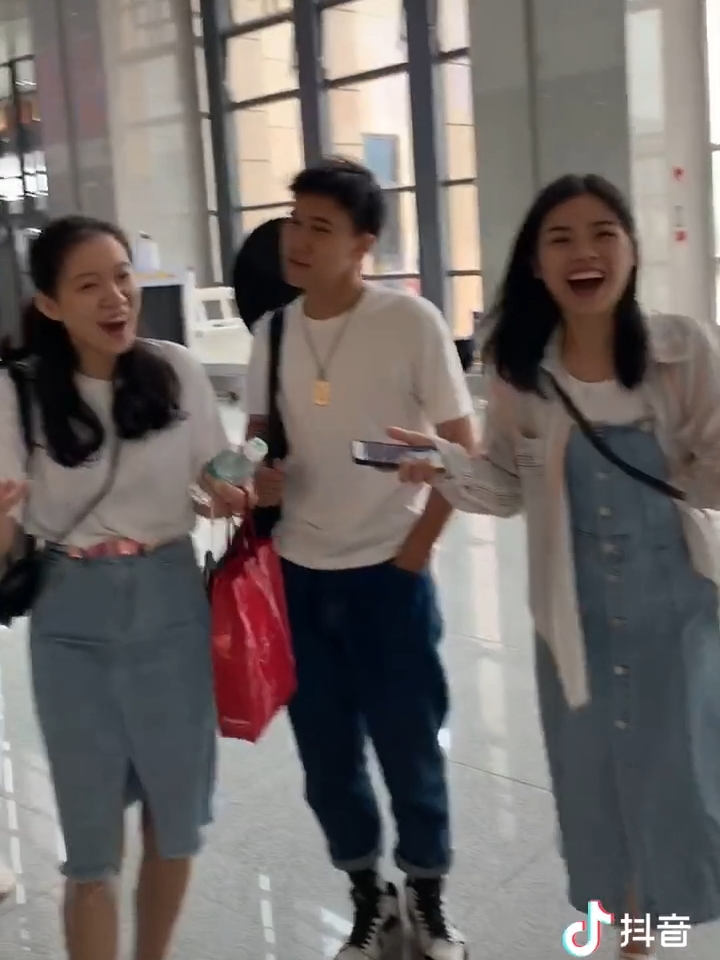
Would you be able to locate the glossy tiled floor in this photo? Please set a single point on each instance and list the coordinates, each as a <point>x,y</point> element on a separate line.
<point>263,890</point>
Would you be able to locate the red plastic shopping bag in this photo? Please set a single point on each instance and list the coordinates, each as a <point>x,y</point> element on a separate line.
<point>252,655</point>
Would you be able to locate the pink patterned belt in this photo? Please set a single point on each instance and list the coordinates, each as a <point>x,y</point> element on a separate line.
<point>109,548</point>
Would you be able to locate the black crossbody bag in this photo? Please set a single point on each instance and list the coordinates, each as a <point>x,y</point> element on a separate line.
<point>590,434</point>
<point>21,577</point>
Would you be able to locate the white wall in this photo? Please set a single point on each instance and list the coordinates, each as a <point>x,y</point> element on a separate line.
<point>669,130</point>
<point>604,86</point>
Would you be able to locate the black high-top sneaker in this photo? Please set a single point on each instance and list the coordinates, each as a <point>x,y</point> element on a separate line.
<point>435,936</point>
<point>376,926</point>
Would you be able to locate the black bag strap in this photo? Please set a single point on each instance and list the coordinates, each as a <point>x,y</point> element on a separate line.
<point>107,485</point>
<point>655,483</point>
<point>276,436</point>
<point>21,372</point>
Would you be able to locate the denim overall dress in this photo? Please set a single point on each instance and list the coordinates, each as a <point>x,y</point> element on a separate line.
<point>636,772</point>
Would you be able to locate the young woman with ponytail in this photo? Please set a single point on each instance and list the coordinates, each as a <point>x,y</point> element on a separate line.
<point>119,631</point>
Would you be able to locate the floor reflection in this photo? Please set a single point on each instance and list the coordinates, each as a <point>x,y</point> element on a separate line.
<point>263,889</point>
<point>266,916</point>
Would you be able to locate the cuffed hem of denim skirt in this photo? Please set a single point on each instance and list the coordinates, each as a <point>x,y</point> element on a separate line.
<point>108,874</point>
<point>368,862</point>
<point>91,875</point>
<point>421,873</point>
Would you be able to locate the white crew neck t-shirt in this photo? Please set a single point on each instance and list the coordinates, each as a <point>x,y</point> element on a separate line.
<point>150,500</point>
<point>605,401</point>
<point>394,364</point>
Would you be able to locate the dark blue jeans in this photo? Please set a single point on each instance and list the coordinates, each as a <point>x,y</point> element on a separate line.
<point>366,644</point>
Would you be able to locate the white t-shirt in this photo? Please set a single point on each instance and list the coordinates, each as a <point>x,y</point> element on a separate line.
<point>395,364</point>
<point>150,499</point>
<point>606,401</point>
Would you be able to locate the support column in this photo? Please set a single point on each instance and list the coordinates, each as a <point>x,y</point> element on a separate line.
<point>550,93</point>
<point>505,121</point>
<point>58,130</point>
<point>424,103</point>
<point>688,137</point>
<point>615,87</point>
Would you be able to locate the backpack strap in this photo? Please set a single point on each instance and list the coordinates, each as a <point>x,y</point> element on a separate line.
<point>276,437</point>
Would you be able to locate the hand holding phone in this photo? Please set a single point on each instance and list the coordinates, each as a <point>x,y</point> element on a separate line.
<point>424,467</point>
<point>393,456</point>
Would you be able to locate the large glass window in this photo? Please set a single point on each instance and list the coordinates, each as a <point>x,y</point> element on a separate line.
<point>464,246</point>
<point>253,218</point>
<point>376,108</point>
<point>262,63</point>
<point>453,27</point>
<point>465,299</point>
<point>349,77</point>
<point>381,154</point>
<point>243,10</point>
<point>269,151</point>
<point>458,121</point>
<point>265,130</point>
<point>363,35</point>
<point>23,172</point>
<point>370,120</point>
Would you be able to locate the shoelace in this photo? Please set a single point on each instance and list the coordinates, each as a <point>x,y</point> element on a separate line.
<point>367,918</point>
<point>431,911</point>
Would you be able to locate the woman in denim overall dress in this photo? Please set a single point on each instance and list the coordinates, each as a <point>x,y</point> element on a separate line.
<point>623,576</point>
<point>119,635</point>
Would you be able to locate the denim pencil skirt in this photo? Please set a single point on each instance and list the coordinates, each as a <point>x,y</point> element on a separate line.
<point>122,678</point>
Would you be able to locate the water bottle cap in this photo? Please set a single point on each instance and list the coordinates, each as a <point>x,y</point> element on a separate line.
<point>255,450</point>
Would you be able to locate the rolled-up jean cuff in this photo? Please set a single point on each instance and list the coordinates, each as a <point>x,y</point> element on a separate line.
<point>368,862</point>
<point>421,873</point>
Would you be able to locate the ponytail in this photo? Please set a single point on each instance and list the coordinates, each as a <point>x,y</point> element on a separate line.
<point>73,431</point>
<point>40,335</point>
<point>13,349</point>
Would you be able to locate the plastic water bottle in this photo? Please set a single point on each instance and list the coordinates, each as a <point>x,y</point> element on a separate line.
<point>238,466</point>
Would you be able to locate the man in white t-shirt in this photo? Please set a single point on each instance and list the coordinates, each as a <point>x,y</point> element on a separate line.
<point>356,547</point>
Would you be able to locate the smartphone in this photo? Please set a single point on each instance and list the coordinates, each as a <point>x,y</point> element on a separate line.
<point>389,456</point>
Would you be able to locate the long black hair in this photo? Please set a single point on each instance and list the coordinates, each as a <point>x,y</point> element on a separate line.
<point>146,389</point>
<point>525,315</point>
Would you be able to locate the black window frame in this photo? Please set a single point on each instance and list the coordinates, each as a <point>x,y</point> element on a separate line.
<point>419,36</point>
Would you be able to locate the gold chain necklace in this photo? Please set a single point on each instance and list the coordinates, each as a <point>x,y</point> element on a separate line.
<point>321,384</point>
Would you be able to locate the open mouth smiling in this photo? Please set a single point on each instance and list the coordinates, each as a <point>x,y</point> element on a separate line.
<point>586,282</point>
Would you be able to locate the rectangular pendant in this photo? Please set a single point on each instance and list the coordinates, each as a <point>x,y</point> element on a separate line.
<point>321,393</point>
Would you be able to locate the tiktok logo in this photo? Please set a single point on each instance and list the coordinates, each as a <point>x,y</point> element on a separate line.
<point>589,929</point>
